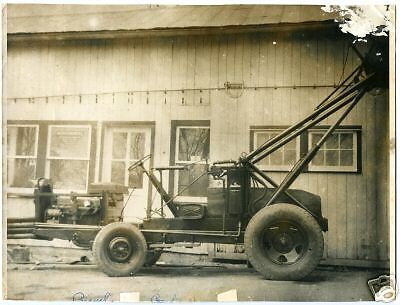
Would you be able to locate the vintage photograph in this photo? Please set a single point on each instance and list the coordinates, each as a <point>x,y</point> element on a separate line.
<point>182,153</point>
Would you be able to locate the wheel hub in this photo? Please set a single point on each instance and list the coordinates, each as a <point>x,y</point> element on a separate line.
<point>284,242</point>
<point>120,249</point>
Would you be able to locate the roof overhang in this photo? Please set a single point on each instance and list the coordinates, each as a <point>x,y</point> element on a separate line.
<point>326,26</point>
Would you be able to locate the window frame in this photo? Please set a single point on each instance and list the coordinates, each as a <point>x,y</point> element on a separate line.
<point>178,128</point>
<point>357,151</point>
<point>87,158</point>
<point>273,168</point>
<point>41,151</point>
<point>35,157</point>
<point>303,141</point>
<point>128,161</point>
<point>176,125</point>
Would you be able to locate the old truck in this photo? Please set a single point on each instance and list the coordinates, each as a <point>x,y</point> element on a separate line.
<point>281,228</point>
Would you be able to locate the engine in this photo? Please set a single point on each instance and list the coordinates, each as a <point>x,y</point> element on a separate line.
<point>102,204</point>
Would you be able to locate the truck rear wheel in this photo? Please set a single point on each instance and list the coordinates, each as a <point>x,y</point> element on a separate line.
<point>120,249</point>
<point>283,242</point>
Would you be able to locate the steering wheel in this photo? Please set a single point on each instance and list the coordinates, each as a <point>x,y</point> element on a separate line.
<point>139,162</point>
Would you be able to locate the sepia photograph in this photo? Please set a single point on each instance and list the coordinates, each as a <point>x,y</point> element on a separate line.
<point>198,153</point>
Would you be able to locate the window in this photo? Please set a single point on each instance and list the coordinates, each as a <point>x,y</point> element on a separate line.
<point>68,156</point>
<point>281,159</point>
<point>338,153</point>
<point>22,143</point>
<point>128,146</point>
<point>192,149</point>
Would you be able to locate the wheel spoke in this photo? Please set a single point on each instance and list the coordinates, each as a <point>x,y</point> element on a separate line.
<point>292,256</point>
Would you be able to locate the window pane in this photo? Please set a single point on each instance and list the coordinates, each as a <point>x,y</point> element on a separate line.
<point>282,157</point>
<point>289,157</point>
<point>346,158</point>
<point>136,178</point>
<point>277,157</point>
<point>21,141</point>
<point>265,161</point>
<point>261,137</point>
<point>291,144</point>
<point>69,174</point>
<point>346,141</point>
<point>199,188</point>
<point>118,172</point>
<point>20,172</point>
<point>333,141</point>
<point>119,145</point>
<point>69,142</point>
<point>194,144</point>
<point>319,158</point>
<point>332,157</point>
<point>137,145</point>
<point>315,137</point>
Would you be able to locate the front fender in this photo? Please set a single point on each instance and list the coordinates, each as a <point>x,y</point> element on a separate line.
<point>310,201</point>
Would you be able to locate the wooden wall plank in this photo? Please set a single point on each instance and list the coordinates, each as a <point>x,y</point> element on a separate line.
<point>361,189</point>
<point>338,56</point>
<point>138,64</point>
<point>382,191</point>
<point>165,63</point>
<point>370,170</point>
<point>352,217</point>
<point>246,61</point>
<point>100,68</point>
<point>145,62</point>
<point>288,61</point>
<point>285,104</point>
<point>321,62</point>
<point>279,50</point>
<point>332,190</point>
<point>254,60</point>
<point>263,61</point>
<point>42,71</point>
<point>202,63</point>
<point>306,63</point>
<point>214,61</point>
<point>296,60</point>
<point>238,59</point>
<point>230,58</point>
<point>222,62</point>
<point>271,59</point>
<point>341,217</point>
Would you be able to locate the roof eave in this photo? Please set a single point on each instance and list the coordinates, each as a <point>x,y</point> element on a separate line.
<point>124,33</point>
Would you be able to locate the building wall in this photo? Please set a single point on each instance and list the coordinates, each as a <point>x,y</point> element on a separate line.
<point>180,78</point>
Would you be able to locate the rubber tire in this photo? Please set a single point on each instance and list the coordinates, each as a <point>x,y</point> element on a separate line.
<point>152,257</point>
<point>269,269</point>
<point>100,252</point>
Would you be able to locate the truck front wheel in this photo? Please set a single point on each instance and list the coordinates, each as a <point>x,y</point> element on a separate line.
<point>120,249</point>
<point>283,242</point>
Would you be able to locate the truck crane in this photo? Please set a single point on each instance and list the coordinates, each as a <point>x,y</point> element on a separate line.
<point>281,228</point>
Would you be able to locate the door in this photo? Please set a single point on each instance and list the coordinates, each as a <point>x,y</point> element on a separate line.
<point>122,147</point>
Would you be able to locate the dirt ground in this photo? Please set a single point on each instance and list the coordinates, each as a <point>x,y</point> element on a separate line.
<point>183,283</point>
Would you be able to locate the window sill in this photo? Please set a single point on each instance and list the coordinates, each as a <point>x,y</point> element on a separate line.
<point>19,191</point>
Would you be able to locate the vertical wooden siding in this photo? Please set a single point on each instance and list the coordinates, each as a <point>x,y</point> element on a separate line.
<point>284,67</point>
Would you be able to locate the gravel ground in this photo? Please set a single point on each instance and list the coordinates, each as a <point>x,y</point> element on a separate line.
<point>183,283</point>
